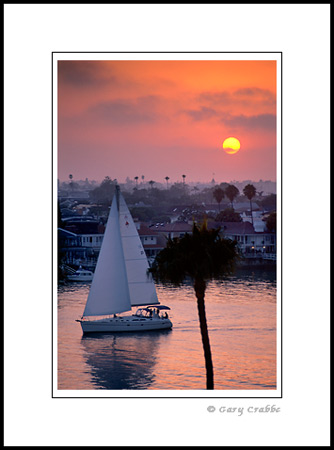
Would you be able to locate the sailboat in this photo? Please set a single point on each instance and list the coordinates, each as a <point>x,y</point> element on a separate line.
<point>121,280</point>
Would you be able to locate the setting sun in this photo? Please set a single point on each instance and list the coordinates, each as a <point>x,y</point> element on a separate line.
<point>231,145</point>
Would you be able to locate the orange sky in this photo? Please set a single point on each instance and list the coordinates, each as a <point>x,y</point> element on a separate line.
<point>166,118</point>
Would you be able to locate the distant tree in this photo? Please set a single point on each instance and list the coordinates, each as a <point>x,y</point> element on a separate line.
<point>151,183</point>
<point>143,214</point>
<point>71,181</point>
<point>178,193</point>
<point>202,256</point>
<point>250,192</point>
<point>167,178</point>
<point>228,215</point>
<point>61,258</point>
<point>223,185</point>
<point>184,178</point>
<point>161,218</point>
<point>60,221</point>
<point>104,193</point>
<point>268,202</point>
<point>231,193</point>
<point>156,196</point>
<point>218,194</point>
<point>136,179</point>
<point>271,222</point>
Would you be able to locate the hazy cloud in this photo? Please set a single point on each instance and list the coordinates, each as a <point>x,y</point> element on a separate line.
<point>215,98</point>
<point>262,121</point>
<point>203,113</point>
<point>83,73</point>
<point>125,111</point>
<point>259,121</point>
<point>262,95</point>
<point>240,96</point>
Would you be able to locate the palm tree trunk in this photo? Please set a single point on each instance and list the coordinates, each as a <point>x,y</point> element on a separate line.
<point>200,287</point>
<point>251,211</point>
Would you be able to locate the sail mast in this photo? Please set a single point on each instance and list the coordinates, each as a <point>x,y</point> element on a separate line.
<point>117,192</point>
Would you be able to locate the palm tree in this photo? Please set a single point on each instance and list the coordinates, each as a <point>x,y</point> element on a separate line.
<point>136,178</point>
<point>71,181</point>
<point>151,183</point>
<point>231,193</point>
<point>184,178</point>
<point>202,256</point>
<point>250,192</point>
<point>167,178</point>
<point>218,194</point>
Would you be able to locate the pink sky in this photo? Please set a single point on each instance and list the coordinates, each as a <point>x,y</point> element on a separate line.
<point>166,118</point>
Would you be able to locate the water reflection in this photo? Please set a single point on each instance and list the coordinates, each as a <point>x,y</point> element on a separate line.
<point>242,320</point>
<point>123,361</point>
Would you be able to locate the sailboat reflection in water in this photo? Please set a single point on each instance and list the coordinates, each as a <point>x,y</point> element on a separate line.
<point>121,280</point>
<point>123,360</point>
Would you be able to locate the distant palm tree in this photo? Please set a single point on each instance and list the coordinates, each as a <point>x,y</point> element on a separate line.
<point>218,194</point>
<point>142,179</point>
<point>250,192</point>
<point>167,178</point>
<point>136,178</point>
<point>71,182</point>
<point>184,178</point>
<point>202,256</point>
<point>231,193</point>
<point>151,183</point>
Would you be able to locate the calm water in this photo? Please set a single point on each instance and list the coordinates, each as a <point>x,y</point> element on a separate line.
<point>241,316</point>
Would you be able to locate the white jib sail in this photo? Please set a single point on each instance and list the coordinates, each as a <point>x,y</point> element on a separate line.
<point>109,292</point>
<point>141,285</point>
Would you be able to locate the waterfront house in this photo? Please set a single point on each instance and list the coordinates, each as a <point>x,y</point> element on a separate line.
<point>258,222</point>
<point>152,241</point>
<point>81,241</point>
<point>251,243</point>
<point>172,230</point>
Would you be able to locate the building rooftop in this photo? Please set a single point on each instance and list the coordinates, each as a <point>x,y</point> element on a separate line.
<point>233,227</point>
<point>145,230</point>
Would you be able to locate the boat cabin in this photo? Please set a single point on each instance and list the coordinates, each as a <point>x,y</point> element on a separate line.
<point>153,311</point>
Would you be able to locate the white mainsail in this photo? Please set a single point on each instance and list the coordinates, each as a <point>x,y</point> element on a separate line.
<point>120,278</point>
<point>141,285</point>
<point>109,292</point>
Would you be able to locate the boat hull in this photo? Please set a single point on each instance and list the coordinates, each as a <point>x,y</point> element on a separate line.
<point>79,278</point>
<point>125,324</point>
